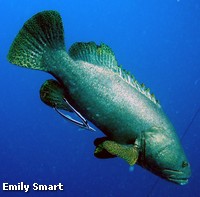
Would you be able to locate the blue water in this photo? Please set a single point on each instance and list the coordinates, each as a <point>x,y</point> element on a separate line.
<point>158,41</point>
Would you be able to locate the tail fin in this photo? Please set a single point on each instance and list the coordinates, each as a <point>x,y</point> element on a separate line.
<point>40,34</point>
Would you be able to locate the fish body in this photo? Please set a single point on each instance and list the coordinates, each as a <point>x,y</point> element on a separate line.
<point>117,108</point>
<point>89,78</point>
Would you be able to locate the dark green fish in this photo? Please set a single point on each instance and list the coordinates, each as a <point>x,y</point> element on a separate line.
<point>90,83</point>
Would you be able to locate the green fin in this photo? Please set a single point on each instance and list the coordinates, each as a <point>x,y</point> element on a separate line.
<point>52,94</point>
<point>127,152</point>
<point>100,152</point>
<point>41,33</point>
<point>100,55</point>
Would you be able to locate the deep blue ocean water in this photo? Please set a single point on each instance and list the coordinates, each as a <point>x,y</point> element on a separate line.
<point>158,41</point>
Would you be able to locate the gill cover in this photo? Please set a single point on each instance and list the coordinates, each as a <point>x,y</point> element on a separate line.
<point>163,155</point>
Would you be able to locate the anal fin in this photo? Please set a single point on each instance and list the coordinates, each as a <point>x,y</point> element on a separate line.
<point>52,94</point>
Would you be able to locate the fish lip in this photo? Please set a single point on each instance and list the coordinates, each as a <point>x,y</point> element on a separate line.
<point>182,179</point>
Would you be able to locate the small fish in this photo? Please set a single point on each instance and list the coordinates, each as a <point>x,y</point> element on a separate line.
<point>90,83</point>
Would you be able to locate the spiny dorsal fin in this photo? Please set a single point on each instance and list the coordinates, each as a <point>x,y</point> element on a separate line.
<point>100,55</point>
<point>130,79</point>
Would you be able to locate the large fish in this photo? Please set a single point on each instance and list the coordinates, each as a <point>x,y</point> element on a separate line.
<point>90,83</point>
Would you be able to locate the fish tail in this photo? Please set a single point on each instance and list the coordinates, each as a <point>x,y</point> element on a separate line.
<point>41,34</point>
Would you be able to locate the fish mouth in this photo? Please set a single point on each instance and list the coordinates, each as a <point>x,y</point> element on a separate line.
<point>176,176</point>
<point>180,181</point>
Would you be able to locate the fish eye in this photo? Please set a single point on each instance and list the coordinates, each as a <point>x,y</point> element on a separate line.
<point>185,164</point>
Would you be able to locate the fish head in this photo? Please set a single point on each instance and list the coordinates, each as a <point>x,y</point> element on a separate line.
<point>173,165</point>
<point>164,156</point>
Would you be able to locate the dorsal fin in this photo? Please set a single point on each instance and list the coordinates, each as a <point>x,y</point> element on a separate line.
<point>130,79</point>
<point>101,55</point>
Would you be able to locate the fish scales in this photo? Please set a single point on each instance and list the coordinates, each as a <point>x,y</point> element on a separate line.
<point>90,83</point>
<point>98,90</point>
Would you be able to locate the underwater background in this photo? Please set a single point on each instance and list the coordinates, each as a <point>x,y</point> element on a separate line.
<point>157,41</point>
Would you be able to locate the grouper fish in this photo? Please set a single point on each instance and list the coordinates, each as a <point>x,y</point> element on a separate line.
<point>89,82</point>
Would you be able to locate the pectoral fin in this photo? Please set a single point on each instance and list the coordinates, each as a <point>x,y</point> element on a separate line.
<point>127,152</point>
<point>100,152</point>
